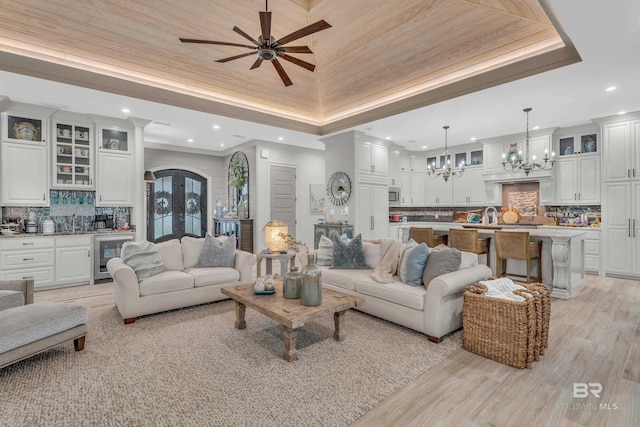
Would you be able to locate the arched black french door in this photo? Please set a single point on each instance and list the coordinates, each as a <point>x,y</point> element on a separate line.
<point>177,206</point>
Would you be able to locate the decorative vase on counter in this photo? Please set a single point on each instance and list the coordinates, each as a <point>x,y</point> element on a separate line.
<point>311,283</point>
<point>292,284</point>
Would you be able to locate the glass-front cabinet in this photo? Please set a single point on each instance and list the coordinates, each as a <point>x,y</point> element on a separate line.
<point>24,127</point>
<point>73,155</point>
<point>114,139</point>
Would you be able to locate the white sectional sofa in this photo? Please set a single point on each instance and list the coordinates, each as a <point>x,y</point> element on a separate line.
<point>181,284</point>
<point>434,310</point>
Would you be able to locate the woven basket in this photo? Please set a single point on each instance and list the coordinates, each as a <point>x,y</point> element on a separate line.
<point>506,331</point>
<point>545,308</point>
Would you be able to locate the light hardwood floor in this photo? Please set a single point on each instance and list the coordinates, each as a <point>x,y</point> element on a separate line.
<point>594,338</point>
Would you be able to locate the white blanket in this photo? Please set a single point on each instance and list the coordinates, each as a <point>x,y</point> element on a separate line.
<point>389,257</point>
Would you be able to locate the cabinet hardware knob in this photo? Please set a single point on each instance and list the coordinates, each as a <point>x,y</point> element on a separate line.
<point>27,277</point>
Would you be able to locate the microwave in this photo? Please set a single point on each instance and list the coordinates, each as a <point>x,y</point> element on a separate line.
<point>394,196</point>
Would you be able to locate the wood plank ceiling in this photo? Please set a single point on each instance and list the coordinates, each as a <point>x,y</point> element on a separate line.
<point>380,57</point>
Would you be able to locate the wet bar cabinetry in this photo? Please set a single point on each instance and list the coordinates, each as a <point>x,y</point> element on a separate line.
<point>72,155</point>
<point>115,166</point>
<point>24,159</point>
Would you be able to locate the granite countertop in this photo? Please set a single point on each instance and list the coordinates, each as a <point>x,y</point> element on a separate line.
<point>533,229</point>
<point>62,233</point>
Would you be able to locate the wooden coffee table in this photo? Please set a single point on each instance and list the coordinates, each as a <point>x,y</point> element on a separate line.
<point>290,313</point>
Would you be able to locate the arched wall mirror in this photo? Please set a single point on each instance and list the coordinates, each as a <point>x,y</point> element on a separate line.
<point>239,184</point>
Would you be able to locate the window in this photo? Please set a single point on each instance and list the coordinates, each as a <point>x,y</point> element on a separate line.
<point>177,206</point>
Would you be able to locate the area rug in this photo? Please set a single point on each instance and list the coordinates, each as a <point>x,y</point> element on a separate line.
<point>73,292</point>
<point>191,367</point>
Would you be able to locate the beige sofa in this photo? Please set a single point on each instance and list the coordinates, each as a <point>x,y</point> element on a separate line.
<point>435,310</point>
<point>181,284</point>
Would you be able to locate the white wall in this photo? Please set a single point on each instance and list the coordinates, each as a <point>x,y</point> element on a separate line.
<point>310,169</point>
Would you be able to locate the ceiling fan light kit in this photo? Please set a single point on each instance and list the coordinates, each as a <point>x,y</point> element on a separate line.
<point>268,48</point>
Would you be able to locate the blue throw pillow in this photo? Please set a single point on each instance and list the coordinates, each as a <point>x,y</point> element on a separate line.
<point>412,264</point>
<point>348,254</point>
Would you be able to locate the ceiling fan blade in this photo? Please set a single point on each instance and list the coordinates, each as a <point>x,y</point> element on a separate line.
<point>231,58</point>
<point>296,49</point>
<point>246,36</point>
<point>216,42</point>
<point>257,63</point>
<point>283,74</point>
<point>309,29</point>
<point>300,62</point>
<point>265,26</point>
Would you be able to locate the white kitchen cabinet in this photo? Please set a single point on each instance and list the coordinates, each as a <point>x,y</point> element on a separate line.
<point>73,259</point>
<point>24,127</point>
<point>621,228</point>
<point>578,180</point>
<point>72,157</point>
<point>405,188</point>
<point>493,158</point>
<point>417,188</point>
<point>620,151</point>
<point>24,174</point>
<point>469,189</point>
<point>372,207</point>
<point>28,258</point>
<point>115,177</point>
<point>438,192</point>
<point>405,163</point>
<point>394,169</point>
<point>577,144</point>
<point>418,163</point>
<point>371,162</point>
<point>592,251</point>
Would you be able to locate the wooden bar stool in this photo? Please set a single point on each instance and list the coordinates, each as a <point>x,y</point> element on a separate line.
<point>425,234</point>
<point>468,241</point>
<point>516,245</point>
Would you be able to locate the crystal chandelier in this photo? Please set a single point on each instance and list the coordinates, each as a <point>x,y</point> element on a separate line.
<point>514,162</point>
<point>446,170</point>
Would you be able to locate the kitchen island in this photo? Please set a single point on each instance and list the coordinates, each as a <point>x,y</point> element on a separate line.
<point>562,253</point>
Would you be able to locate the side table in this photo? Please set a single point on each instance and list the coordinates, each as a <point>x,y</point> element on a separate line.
<point>280,257</point>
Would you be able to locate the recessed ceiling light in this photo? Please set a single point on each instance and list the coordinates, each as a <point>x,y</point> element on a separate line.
<point>189,140</point>
<point>622,112</point>
<point>535,127</point>
<point>424,147</point>
<point>221,145</point>
<point>611,88</point>
<point>473,138</point>
<point>216,127</point>
<point>126,110</point>
<point>387,137</point>
<point>280,138</point>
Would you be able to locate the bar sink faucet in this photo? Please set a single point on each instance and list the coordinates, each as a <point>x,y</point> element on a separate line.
<point>494,216</point>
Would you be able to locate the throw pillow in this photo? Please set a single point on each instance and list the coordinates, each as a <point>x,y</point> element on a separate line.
<point>216,253</point>
<point>325,251</point>
<point>410,244</point>
<point>440,262</point>
<point>143,257</point>
<point>372,254</point>
<point>412,266</point>
<point>171,253</point>
<point>348,255</point>
<point>191,250</point>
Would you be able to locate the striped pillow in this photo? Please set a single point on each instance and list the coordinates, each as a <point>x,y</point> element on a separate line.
<point>143,257</point>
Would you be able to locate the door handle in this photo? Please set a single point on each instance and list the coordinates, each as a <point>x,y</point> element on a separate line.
<point>89,254</point>
<point>43,196</point>
<point>27,277</point>
<point>27,259</point>
<point>634,228</point>
<point>629,227</point>
<point>371,222</point>
<point>26,244</point>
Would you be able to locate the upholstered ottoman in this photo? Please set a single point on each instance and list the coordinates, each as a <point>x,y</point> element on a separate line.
<point>29,329</point>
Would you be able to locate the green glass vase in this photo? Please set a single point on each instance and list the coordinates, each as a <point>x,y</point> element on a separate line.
<point>311,283</point>
<point>292,284</point>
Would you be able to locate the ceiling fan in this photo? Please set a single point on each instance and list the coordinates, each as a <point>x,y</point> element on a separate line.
<point>269,49</point>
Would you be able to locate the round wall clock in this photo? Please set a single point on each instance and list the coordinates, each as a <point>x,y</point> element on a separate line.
<point>339,188</point>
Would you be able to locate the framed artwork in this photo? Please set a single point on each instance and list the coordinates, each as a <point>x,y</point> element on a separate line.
<point>317,196</point>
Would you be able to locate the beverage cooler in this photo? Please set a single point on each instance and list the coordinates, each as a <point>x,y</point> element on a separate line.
<point>107,246</point>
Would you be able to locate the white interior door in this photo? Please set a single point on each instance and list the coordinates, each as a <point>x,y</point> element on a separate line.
<point>283,196</point>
